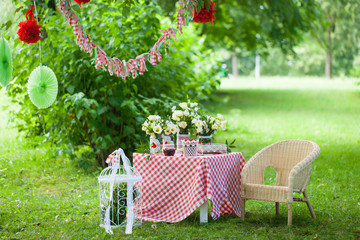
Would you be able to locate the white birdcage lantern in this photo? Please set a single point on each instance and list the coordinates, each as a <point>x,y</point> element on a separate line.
<point>120,194</point>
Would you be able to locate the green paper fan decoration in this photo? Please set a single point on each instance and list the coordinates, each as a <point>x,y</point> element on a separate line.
<point>42,87</point>
<point>5,62</point>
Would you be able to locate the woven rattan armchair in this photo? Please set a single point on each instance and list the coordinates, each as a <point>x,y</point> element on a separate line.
<point>292,161</point>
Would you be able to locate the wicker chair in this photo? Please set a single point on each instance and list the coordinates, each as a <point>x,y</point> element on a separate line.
<point>292,161</point>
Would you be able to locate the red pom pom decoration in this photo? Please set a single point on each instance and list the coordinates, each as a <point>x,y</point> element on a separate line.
<point>29,31</point>
<point>205,15</point>
<point>81,2</point>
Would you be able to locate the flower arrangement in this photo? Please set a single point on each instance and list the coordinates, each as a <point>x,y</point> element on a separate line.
<point>184,117</point>
<point>153,125</point>
<point>169,127</point>
<point>207,125</point>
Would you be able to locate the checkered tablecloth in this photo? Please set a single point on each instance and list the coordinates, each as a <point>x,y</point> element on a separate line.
<point>173,187</point>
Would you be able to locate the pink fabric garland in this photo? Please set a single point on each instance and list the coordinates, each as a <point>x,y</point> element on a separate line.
<point>114,65</point>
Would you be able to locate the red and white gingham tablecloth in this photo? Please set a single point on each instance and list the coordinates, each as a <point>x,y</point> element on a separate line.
<point>173,187</point>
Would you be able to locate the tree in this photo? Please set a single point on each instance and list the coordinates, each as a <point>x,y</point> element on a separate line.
<point>95,113</point>
<point>337,28</point>
<point>256,25</point>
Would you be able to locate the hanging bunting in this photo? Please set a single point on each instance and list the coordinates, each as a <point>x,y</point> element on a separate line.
<point>6,65</point>
<point>136,66</point>
<point>29,31</point>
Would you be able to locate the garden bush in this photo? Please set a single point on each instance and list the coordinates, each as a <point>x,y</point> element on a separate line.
<point>95,113</point>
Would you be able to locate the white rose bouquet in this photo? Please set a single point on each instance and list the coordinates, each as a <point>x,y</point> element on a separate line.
<point>183,117</point>
<point>153,125</point>
<point>207,125</point>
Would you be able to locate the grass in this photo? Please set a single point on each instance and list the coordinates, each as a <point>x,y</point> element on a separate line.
<point>46,198</point>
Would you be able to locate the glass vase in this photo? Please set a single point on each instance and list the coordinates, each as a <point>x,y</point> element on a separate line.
<point>155,144</point>
<point>204,140</point>
<point>168,145</point>
<point>179,139</point>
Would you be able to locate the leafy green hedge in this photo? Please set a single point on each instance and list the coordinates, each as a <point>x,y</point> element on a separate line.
<point>93,109</point>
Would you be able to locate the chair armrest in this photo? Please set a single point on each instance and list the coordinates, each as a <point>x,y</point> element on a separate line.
<point>300,173</point>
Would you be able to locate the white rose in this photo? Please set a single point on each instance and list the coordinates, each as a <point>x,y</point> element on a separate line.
<point>179,113</point>
<point>220,117</point>
<point>174,129</point>
<point>147,132</point>
<point>196,109</point>
<point>186,113</point>
<point>223,125</point>
<point>173,108</point>
<point>214,127</point>
<point>167,131</point>
<point>183,105</point>
<point>182,124</point>
<point>157,129</point>
<point>199,129</point>
<point>144,128</point>
<point>198,123</point>
<point>193,104</point>
<point>154,117</point>
<point>175,117</point>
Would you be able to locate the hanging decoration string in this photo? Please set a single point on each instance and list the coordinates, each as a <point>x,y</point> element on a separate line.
<point>134,66</point>
<point>37,19</point>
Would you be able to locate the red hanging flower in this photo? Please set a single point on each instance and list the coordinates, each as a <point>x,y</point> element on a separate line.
<point>29,31</point>
<point>81,2</point>
<point>205,15</point>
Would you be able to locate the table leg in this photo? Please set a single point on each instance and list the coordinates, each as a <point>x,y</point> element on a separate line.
<point>204,212</point>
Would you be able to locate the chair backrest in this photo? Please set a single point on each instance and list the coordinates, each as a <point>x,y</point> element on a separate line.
<point>283,156</point>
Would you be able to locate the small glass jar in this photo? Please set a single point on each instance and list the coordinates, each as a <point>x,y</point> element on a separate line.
<point>169,150</point>
<point>168,145</point>
<point>180,138</point>
<point>155,144</point>
<point>204,140</point>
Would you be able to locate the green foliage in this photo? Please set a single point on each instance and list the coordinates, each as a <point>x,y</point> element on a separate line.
<point>356,71</point>
<point>46,198</point>
<point>336,31</point>
<point>256,25</point>
<point>230,145</point>
<point>93,109</point>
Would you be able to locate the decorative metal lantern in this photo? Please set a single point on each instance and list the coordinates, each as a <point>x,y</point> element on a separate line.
<point>120,194</point>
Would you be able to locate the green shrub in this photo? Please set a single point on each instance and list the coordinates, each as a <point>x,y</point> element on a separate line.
<point>93,109</point>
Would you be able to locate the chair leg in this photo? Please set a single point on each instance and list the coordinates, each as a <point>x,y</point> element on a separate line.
<point>242,209</point>
<point>308,204</point>
<point>290,214</point>
<point>276,208</point>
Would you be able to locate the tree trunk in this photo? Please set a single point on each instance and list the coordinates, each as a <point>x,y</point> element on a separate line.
<point>328,65</point>
<point>234,66</point>
<point>257,67</point>
<point>328,57</point>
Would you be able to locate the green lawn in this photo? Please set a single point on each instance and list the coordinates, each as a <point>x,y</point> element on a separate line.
<point>46,198</point>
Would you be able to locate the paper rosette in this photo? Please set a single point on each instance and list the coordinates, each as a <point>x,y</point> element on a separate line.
<point>42,87</point>
<point>5,62</point>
